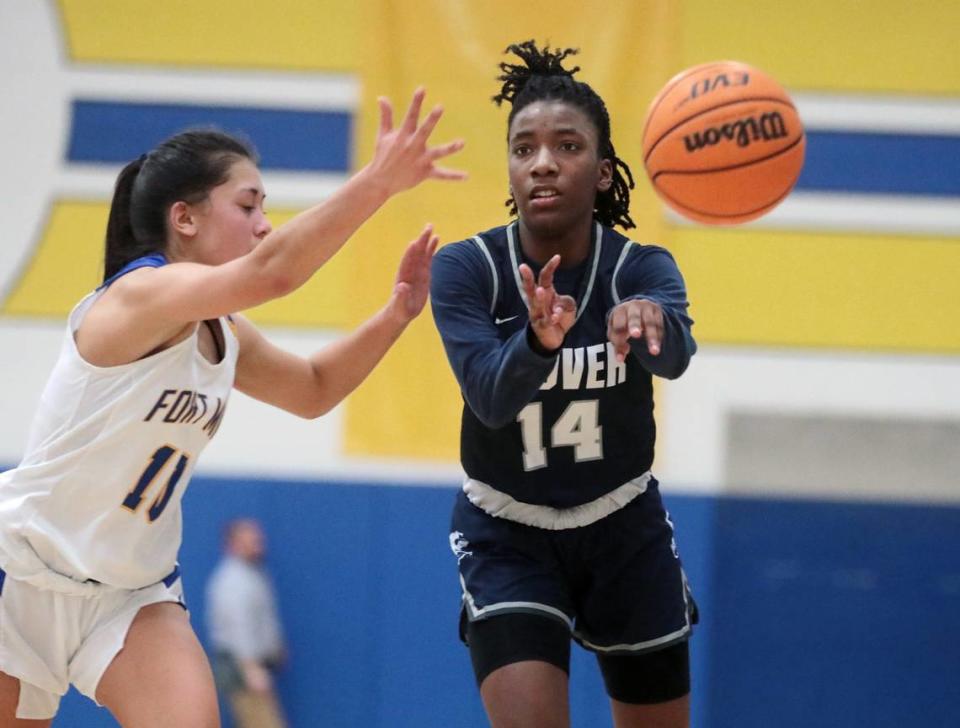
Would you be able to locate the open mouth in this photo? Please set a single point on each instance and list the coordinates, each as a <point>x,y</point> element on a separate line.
<point>544,197</point>
<point>544,193</point>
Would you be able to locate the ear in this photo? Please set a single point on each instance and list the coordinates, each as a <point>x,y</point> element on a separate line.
<point>182,220</point>
<point>605,178</point>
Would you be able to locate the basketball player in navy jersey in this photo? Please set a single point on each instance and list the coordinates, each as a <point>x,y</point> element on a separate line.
<point>554,326</point>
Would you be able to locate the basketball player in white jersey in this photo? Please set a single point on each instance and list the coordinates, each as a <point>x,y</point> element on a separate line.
<point>90,521</point>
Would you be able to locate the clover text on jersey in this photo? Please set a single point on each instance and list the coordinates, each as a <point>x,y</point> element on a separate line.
<point>587,367</point>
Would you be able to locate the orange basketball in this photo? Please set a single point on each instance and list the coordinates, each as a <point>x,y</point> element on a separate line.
<point>723,143</point>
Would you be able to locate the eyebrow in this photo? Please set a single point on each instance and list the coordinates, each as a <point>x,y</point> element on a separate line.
<point>562,131</point>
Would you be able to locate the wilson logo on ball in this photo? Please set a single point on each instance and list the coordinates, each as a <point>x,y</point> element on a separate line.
<point>769,127</point>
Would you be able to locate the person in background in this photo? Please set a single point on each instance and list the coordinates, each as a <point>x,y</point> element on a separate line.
<point>244,628</point>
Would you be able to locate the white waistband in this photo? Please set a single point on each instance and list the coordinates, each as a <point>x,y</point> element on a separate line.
<point>501,505</point>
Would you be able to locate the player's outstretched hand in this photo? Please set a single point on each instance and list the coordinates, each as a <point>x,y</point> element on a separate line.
<point>634,320</point>
<point>551,315</point>
<point>413,277</point>
<point>402,158</point>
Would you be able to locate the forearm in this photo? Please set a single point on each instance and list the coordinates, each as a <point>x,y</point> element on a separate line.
<point>651,274</point>
<point>340,367</point>
<point>500,381</point>
<point>676,348</point>
<point>295,250</point>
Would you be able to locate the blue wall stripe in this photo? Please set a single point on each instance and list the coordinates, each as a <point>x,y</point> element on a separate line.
<point>898,164</point>
<point>810,611</point>
<point>115,132</point>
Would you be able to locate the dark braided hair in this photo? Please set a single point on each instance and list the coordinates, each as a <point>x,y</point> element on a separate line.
<point>542,77</point>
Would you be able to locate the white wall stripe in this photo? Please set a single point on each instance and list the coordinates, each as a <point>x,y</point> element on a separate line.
<point>297,91</point>
<point>875,113</point>
<point>285,189</point>
<point>841,211</point>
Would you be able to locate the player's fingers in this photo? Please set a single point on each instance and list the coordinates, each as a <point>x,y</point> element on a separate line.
<point>540,309</point>
<point>414,254</point>
<point>425,235</point>
<point>386,115</point>
<point>617,323</point>
<point>635,322</point>
<point>566,304</point>
<point>621,350</point>
<point>447,173</point>
<point>426,128</point>
<point>617,332</point>
<point>413,112</point>
<point>653,328</point>
<point>445,150</point>
<point>526,278</point>
<point>546,273</point>
<point>562,306</point>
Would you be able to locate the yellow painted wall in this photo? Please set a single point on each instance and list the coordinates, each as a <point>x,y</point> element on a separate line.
<point>283,34</point>
<point>768,288</point>
<point>839,45</point>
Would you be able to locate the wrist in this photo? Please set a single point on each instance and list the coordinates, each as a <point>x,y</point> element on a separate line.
<point>396,315</point>
<point>537,346</point>
<point>374,183</point>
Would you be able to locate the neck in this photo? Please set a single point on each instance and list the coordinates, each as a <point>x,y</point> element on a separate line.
<point>572,243</point>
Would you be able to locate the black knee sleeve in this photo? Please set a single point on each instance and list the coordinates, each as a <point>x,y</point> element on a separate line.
<point>515,637</point>
<point>651,677</point>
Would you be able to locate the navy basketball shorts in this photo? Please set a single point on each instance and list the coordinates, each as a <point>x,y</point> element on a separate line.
<point>617,584</point>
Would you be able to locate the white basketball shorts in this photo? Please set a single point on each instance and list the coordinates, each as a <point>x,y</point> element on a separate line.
<point>49,639</point>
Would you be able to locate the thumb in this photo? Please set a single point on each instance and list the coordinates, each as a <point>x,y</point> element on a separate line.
<point>401,289</point>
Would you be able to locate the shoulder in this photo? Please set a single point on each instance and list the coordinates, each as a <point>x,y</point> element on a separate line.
<point>624,248</point>
<point>640,266</point>
<point>477,247</point>
<point>474,261</point>
<point>636,255</point>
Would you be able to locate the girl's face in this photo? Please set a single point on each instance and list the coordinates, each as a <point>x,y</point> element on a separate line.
<point>555,169</point>
<point>230,221</point>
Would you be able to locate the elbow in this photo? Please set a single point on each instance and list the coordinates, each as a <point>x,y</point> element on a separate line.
<point>492,419</point>
<point>314,410</point>
<point>672,373</point>
<point>494,423</point>
<point>270,276</point>
<point>675,370</point>
<point>276,284</point>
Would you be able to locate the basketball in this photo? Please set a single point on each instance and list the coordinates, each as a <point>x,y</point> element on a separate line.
<point>723,143</point>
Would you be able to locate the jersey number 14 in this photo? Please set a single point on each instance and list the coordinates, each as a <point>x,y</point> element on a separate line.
<point>578,427</point>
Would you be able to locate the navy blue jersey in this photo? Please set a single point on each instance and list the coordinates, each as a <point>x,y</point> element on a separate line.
<point>564,429</point>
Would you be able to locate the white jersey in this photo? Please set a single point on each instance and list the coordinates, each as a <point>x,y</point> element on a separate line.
<point>96,499</point>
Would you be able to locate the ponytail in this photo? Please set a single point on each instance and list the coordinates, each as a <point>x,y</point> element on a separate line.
<point>121,242</point>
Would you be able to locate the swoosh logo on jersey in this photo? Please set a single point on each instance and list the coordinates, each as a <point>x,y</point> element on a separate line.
<point>499,320</point>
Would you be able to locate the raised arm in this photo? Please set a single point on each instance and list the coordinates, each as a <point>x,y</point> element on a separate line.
<point>147,307</point>
<point>288,256</point>
<point>312,386</point>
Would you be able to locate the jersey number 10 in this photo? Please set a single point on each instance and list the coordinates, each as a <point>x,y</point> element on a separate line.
<point>578,427</point>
